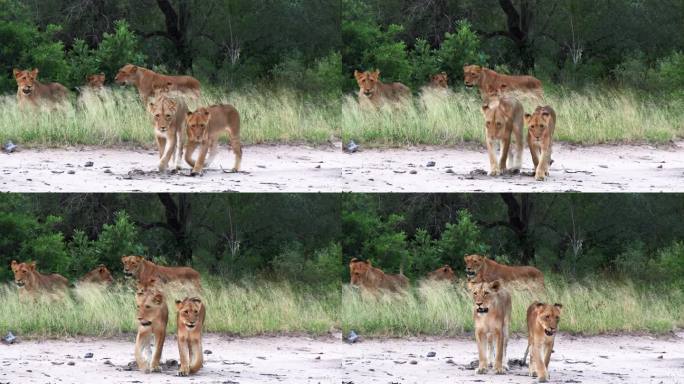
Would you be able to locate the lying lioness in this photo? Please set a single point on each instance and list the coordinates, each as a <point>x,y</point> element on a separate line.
<point>482,269</point>
<point>95,82</point>
<point>204,128</point>
<point>146,81</point>
<point>542,324</point>
<point>488,80</point>
<point>190,320</point>
<point>32,283</point>
<point>169,129</point>
<point>375,93</point>
<point>540,127</point>
<point>364,275</point>
<point>99,275</point>
<point>34,93</point>
<point>503,119</point>
<point>492,316</point>
<point>444,273</point>
<point>143,270</point>
<point>153,316</point>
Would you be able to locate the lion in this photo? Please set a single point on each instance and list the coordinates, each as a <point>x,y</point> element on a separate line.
<point>169,129</point>
<point>492,318</point>
<point>364,275</point>
<point>143,270</point>
<point>503,120</point>
<point>542,324</point>
<point>95,82</point>
<point>443,273</point>
<point>482,269</point>
<point>153,316</point>
<point>374,92</point>
<point>439,81</point>
<point>204,127</point>
<point>190,320</point>
<point>32,92</point>
<point>146,81</point>
<point>99,275</point>
<point>487,80</point>
<point>32,282</point>
<point>540,127</point>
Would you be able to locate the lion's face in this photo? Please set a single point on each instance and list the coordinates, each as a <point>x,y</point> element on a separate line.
<point>189,311</point>
<point>495,115</point>
<point>197,123</point>
<point>146,287</point>
<point>440,80</point>
<point>22,272</point>
<point>131,264</point>
<point>473,264</point>
<point>163,111</point>
<point>95,81</point>
<point>538,122</point>
<point>484,295</point>
<point>548,316</point>
<point>26,80</point>
<point>150,308</point>
<point>125,74</point>
<point>471,75</point>
<point>100,274</point>
<point>368,81</point>
<point>442,273</point>
<point>358,269</point>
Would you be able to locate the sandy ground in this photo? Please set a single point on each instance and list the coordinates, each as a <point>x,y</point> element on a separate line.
<point>298,360</point>
<point>283,168</point>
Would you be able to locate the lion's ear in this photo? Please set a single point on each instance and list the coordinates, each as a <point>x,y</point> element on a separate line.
<point>538,304</point>
<point>559,306</point>
<point>368,263</point>
<point>14,262</point>
<point>546,115</point>
<point>527,118</point>
<point>495,285</point>
<point>470,285</point>
<point>32,265</point>
<point>179,304</point>
<point>376,74</point>
<point>34,73</point>
<point>485,107</point>
<point>477,68</point>
<point>158,298</point>
<point>16,72</point>
<point>134,68</point>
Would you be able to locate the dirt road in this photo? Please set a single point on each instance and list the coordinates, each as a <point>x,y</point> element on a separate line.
<point>283,168</point>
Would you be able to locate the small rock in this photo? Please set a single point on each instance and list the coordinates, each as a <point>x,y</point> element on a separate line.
<point>413,362</point>
<point>449,170</point>
<point>660,357</point>
<point>413,171</point>
<point>71,363</point>
<point>603,166</point>
<point>207,352</point>
<point>107,362</point>
<point>108,171</point>
<point>473,365</point>
<point>9,338</point>
<point>430,164</point>
<point>318,166</point>
<point>351,147</point>
<point>88,355</point>
<point>9,147</point>
<point>450,361</point>
<point>432,354</point>
<point>660,166</point>
<point>352,337</point>
<point>318,357</point>
<point>71,172</point>
<point>57,362</point>
<point>261,166</point>
<point>171,363</point>
<point>88,164</point>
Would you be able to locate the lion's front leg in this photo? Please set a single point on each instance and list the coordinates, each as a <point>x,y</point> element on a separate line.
<point>184,353</point>
<point>178,155</point>
<point>189,151</point>
<point>504,153</point>
<point>196,357</point>
<point>494,169</point>
<point>481,339</point>
<point>199,164</point>
<point>142,351</point>
<point>158,347</point>
<point>168,152</point>
<point>498,360</point>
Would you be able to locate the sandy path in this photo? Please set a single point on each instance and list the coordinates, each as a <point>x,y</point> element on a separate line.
<point>620,359</point>
<point>587,169</point>
<point>283,168</point>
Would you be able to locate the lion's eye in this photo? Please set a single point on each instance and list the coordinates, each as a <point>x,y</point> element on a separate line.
<point>168,116</point>
<point>157,115</point>
<point>195,312</point>
<point>186,311</point>
<point>147,306</point>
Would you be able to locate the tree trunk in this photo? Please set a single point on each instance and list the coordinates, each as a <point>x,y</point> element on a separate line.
<point>519,214</point>
<point>177,217</point>
<point>518,29</point>
<point>177,31</point>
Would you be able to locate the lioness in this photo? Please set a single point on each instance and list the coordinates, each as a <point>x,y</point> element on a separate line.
<point>439,81</point>
<point>374,92</point>
<point>99,275</point>
<point>95,82</point>
<point>143,270</point>
<point>190,320</point>
<point>442,273</point>
<point>364,275</point>
<point>542,324</point>
<point>487,80</point>
<point>503,119</point>
<point>205,125</point>
<point>32,92</point>
<point>31,282</point>
<point>169,129</point>
<point>153,316</point>
<point>492,317</point>
<point>146,81</point>
<point>482,269</point>
<point>540,127</point>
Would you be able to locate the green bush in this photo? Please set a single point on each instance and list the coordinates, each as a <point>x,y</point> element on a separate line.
<point>459,49</point>
<point>460,239</point>
<point>323,267</point>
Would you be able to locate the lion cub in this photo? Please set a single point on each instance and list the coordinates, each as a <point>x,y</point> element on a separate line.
<point>169,129</point>
<point>492,317</point>
<point>503,119</point>
<point>32,92</point>
<point>153,316</point>
<point>542,324</point>
<point>204,128</point>
<point>190,320</point>
<point>541,124</point>
<point>374,92</point>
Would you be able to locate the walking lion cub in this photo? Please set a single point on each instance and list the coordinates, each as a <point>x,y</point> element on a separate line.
<point>540,127</point>
<point>205,125</point>
<point>153,316</point>
<point>542,324</point>
<point>503,119</point>
<point>492,317</point>
<point>169,129</point>
<point>190,320</point>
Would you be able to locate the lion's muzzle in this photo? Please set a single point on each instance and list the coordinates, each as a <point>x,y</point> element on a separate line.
<point>549,332</point>
<point>190,325</point>
<point>145,323</point>
<point>470,273</point>
<point>482,310</point>
<point>27,90</point>
<point>20,283</point>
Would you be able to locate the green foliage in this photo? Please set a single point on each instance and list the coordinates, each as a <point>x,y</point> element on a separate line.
<point>325,76</point>
<point>424,62</point>
<point>459,49</point>
<point>460,239</point>
<point>324,267</point>
<point>665,265</point>
<point>117,49</point>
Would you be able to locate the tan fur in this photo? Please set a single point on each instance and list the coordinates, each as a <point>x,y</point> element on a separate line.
<point>375,93</point>
<point>204,128</point>
<point>99,275</point>
<point>489,81</point>
<point>33,284</point>
<point>503,118</point>
<point>143,270</point>
<point>364,275</point>
<point>439,81</point>
<point>492,317</point>
<point>542,325</point>
<point>146,81</point>
<point>540,127</point>
<point>31,92</point>
<point>168,114</point>
<point>190,320</point>
<point>95,82</point>
<point>482,269</point>
<point>443,273</point>
<point>153,317</point>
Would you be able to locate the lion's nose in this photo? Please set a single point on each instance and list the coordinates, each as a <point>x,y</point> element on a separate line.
<point>479,304</point>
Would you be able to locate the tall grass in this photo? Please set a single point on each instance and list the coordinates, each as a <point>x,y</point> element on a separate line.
<point>117,117</point>
<point>586,117</point>
<point>242,309</point>
<point>443,309</point>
